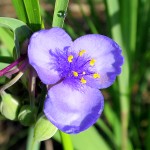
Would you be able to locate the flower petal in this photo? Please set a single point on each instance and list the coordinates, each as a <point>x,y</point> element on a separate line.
<point>71,110</point>
<point>41,43</point>
<point>107,56</point>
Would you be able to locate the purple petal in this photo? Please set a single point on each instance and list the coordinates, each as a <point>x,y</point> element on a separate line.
<point>108,58</point>
<point>41,43</point>
<point>71,110</point>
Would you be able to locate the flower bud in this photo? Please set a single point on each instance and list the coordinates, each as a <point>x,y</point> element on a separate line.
<point>27,115</point>
<point>43,129</point>
<point>9,106</point>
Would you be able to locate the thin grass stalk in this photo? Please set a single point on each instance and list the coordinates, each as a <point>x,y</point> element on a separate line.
<point>88,20</point>
<point>60,13</point>
<point>116,32</point>
<point>20,10</point>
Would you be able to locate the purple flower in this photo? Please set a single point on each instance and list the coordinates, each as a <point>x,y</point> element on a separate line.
<point>75,70</point>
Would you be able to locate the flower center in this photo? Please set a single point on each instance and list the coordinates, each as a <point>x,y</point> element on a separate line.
<point>75,67</point>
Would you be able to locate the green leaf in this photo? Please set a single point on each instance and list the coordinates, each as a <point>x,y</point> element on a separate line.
<point>43,129</point>
<point>7,39</point>
<point>33,12</point>
<point>19,28</point>
<point>87,140</point>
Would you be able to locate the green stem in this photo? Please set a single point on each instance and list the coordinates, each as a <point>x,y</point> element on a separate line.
<point>66,141</point>
<point>31,143</point>
<point>60,13</point>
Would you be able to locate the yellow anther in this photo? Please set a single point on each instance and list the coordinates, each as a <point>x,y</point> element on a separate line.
<point>75,74</point>
<point>83,80</point>
<point>84,72</point>
<point>82,52</point>
<point>92,62</point>
<point>70,57</point>
<point>96,75</point>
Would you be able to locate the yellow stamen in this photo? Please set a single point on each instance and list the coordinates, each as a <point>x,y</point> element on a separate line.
<point>96,75</point>
<point>92,62</point>
<point>83,80</point>
<point>75,74</point>
<point>70,57</point>
<point>82,52</point>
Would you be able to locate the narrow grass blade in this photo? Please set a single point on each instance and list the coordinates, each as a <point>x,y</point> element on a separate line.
<point>113,12</point>
<point>60,13</point>
<point>147,143</point>
<point>71,31</point>
<point>32,8</point>
<point>133,24</point>
<point>101,124</point>
<point>20,10</point>
<point>114,122</point>
<point>143,27</point>
<point>129,14</point>
<point>90,23</point>
<point>95,17</point>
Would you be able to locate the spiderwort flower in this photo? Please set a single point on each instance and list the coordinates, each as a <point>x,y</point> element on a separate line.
<point>76,70</point>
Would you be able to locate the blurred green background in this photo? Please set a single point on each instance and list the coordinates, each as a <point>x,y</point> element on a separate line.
<point>125,122</point>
